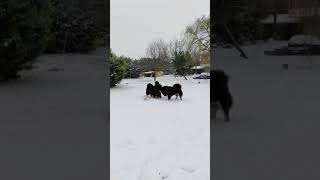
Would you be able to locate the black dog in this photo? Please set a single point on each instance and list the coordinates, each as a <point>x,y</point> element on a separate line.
<point>150,90</point>
<point>153,91</point>
<point>170,91</point>
<point>157,89</point>
<point>220,93</point>
<point>165,90</point>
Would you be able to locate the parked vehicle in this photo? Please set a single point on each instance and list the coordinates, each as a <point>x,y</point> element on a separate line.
<point>203,76</point>
<point>298,45</point>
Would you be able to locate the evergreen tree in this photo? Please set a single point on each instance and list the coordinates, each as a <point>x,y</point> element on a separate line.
<point>74,29</point>
<point>181,61</point>
<point>133,70</point>
<point>25,29</point>
<point>117,69</point>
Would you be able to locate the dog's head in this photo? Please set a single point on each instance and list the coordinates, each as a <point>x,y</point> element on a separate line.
<point>149,86</point>
<point>219,75</point>
<point>157,84</point>
<point>177,86</point>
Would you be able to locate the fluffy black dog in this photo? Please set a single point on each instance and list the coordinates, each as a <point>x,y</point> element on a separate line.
<point>157,90</point>
<point>170,91</point>
<point>150,90</point>
<point>153,91</point>
<point>220,93</point>
<point>165,90</point>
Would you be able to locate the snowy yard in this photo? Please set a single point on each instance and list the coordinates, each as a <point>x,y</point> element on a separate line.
<point>53,121</point>
<point>275,126</point>
<point>154,139</point>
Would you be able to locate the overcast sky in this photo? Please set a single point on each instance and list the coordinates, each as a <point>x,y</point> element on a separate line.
<point>135,23</point>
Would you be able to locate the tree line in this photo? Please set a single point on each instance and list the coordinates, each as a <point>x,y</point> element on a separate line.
<point>32,27</point>
<point>177,56</point>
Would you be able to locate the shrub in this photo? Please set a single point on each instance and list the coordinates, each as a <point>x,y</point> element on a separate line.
<point>25,29</point>
<point>117,69</point>
<point>182,62</point>
<point>133,70</point>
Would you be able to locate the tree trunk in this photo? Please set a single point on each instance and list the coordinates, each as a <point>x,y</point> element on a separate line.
<point>185,77</point>
<point>65,43</point>
<point>275,18</point>
<point>234,42</point>
<point>181,73</point>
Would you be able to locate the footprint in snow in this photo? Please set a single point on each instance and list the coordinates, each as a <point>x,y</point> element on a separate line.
<point>188,169</point>
<point>163,174</point>
<point>149,173</point>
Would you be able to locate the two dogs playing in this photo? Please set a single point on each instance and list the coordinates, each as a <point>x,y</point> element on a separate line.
<point>220,96</point>
<point>156,90</point>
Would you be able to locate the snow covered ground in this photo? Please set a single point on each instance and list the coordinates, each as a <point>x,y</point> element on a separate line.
<point>53,121</point>
<point>153,139</point>
<point>275,127</point>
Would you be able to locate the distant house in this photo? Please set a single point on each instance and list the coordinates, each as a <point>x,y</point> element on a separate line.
<point>287,26</point>
<point>152,73</point>
<point>294,17</point>
<point>308,11</point>
<point>200,69</point>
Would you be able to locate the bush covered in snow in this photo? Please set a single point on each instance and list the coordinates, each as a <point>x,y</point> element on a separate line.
<point>25,28</point>
<point>118,68</point>
<point>133,70</point>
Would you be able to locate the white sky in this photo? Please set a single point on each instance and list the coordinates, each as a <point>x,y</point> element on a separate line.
<point>135,23</point>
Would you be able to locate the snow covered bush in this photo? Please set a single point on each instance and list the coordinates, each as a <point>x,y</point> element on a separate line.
<point>117,69</point>
<point>133,70</point>
<point>25,28</point>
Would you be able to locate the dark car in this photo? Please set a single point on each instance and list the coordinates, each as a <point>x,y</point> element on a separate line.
<point>203,76</point>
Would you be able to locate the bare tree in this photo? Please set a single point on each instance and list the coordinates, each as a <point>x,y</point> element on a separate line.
<point>157,51</point>
<point>197,40</point>
<point>176,45</point>
<point>224,11</point>
<point>199,33</point>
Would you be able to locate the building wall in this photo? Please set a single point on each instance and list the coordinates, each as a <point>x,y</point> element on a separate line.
<point>302,3</point>
<point>303,8</point>
<point>281,6</point>
<point>311,28</point>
